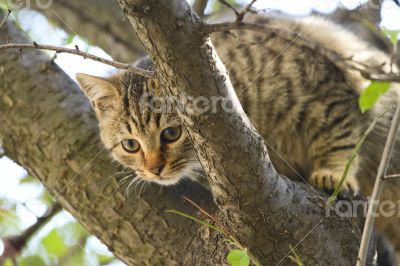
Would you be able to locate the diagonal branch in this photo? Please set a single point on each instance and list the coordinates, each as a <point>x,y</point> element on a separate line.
<point>257,205</point>
<point>375,73</point>
<point>5,18</point>
<point>78,52</point>
<point>15,244</point>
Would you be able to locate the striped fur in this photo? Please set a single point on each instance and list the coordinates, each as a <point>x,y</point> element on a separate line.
<point>303,104</point>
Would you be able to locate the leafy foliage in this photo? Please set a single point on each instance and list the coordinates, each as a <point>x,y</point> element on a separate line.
<point>392,34</point>
<point>31,260</point>
<point>54,243</point>
<point>62,241</point>
<point>238,257</point>
<point>371,94</point>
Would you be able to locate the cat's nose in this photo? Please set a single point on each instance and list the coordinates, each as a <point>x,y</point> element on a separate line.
<point>157,170</point>
<point>154,163</point>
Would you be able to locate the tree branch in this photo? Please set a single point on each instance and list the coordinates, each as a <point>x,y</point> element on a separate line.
<point>77,51</point>
<point>386,177</point>
<point>62,148</point>
<point>13,245</point>
<point>374,200</point>
<point>254,202</point>
<point>375,73</point>
<point>5,18</point>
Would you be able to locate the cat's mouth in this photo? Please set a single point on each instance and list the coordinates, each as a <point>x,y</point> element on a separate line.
<point>162,179</point>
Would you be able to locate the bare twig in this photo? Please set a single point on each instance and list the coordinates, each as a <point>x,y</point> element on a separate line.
<point>374,73</point>
<point>13,245</point>
<point>373,202</point>
<point>5,18</point>
<point>386,177</point>
<point>239,14</point>
<point>204,212</point>
<point>77,51</point>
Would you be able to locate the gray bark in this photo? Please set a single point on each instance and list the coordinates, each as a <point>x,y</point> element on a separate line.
<point>44,129</point>
<point>256,204</point>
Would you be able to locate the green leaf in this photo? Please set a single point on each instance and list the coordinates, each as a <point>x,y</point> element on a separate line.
<point>70,39</point>
<point>8,262</point>
<point>392,34</point>
<point>32,261</point>
<point>104,259</point>
<point>238,257</point>
<point>47,198</point>
<point>371,94</point>
<point>54,243</point>
<point>28,179</point>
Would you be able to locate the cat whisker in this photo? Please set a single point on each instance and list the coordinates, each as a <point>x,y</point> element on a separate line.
<point>143,185</point>
<point>194,172</point>
<point>115,175</point>
<point>132,184</point>
<point>127,177</point>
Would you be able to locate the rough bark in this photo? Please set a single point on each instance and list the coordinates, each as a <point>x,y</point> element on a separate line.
<point>43,127</point>
<point>256,204</point>
<point>100,22</point>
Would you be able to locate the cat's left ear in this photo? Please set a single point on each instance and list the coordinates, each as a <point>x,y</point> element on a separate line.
<point>102,93</point>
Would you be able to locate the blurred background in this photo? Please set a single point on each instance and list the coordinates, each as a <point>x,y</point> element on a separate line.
<point>23,199</point>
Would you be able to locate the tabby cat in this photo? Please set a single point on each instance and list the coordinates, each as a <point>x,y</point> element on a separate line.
<point>302,103</point>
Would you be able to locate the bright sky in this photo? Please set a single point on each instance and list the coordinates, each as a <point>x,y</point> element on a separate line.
<point>10,173</point>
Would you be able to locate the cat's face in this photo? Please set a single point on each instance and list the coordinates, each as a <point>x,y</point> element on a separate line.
<point>150,141</point>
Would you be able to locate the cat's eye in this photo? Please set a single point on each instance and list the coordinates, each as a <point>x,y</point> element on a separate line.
<point>171,134</point>
<point>130,145</point>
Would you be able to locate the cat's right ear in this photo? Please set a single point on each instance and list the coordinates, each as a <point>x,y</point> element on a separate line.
<point>102,93</point>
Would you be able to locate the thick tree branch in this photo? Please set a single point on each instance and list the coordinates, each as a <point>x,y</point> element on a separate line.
<point>79,52</point>
<point>375,73</point>
<point>263,210</point>
<point>41,107</point>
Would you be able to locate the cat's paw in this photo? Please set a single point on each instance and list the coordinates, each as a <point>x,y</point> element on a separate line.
<point>327,180</point>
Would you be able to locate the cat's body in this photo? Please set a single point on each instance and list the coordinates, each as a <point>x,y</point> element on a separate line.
<point>303,104</point>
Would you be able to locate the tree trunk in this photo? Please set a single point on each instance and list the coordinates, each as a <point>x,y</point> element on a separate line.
<point>43,127</point>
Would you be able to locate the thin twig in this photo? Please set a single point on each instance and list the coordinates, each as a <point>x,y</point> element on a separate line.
<point>13,245</point>
<point>228,5</point>
<point>386,177</point>
<point>245,10</point>
<point>374,73</point>
<point>5,18</point>
<point>205,213</point>
<point>239,14</point>
<point>77,51</point>
<point>373,202</point>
